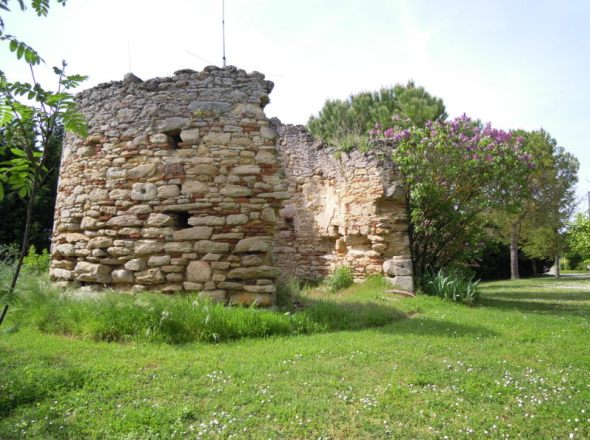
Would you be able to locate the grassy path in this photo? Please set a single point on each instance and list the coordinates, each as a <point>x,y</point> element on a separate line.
<point>518,366</point>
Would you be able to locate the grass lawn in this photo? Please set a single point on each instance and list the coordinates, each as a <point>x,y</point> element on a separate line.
<point>516,366</point>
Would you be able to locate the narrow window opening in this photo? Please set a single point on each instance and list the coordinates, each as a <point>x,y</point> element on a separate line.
<point>290,222</point>
<point>180,219</point>
<point>174,139</point>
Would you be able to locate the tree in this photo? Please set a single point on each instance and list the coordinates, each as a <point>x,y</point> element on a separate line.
<point>454,173</point>
<point>542,204</point>
<point>346,123</point>
<point>578,240</point>
<point>29,118</point>
<point>13,210</point>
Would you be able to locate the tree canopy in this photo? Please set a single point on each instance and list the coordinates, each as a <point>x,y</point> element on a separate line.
<point>346,123</point>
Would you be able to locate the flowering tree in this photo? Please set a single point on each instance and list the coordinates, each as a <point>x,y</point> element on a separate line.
<point>455,172</point>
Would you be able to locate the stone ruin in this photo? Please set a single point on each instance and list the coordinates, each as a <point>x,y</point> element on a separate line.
<point>183,184</point>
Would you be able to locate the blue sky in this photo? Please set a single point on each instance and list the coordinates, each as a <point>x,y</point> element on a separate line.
<point>517,64</point>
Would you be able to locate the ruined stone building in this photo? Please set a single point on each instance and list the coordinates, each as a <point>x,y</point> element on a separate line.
<point>183,184</point>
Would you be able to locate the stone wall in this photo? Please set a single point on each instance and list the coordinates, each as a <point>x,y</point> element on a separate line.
<point>183,184</point>
<point>344,209</point>
<point>175,188</point>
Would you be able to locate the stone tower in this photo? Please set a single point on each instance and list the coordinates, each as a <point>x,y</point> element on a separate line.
<point>183,184</point>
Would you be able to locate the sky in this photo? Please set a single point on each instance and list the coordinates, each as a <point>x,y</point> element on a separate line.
<point>515,63</point>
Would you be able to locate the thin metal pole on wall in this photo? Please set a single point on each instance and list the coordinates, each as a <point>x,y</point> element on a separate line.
<point>223,28</point>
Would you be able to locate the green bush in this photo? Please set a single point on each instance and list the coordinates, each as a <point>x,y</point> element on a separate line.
<point>453,285</point>
<point>37,263</point>
<point>340,279</point>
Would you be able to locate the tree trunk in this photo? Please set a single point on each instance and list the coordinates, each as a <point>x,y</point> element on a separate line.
<point>557,269</point>
<point>514,275</point>
<point>23,248</point>
<point>534,267</point>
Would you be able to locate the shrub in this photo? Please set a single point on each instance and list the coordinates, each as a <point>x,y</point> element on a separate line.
<point>452,285</point>
<point>340,279</point>
<point>8,253</point>
<point>37,263</point>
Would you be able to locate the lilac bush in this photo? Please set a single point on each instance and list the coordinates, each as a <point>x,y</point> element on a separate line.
<point>455,172</point>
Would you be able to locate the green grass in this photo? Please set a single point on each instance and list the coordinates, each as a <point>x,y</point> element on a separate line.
<point>517,366</point>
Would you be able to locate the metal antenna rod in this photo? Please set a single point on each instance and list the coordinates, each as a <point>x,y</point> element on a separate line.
<point>223,27</point>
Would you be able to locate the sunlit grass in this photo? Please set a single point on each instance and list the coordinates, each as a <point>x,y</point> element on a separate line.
<point>509,368</point>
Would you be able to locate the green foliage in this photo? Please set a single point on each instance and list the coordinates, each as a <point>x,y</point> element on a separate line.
<point>13,210</point>
<point>454,173</point>
<point>341,278</point>
<point>37,263</point>
<point>544,201</point>
<point>346,123</point>
<point>30,117</point>
<point>453,285</point>
<point>578,241</point>
<point>41,8</point>
<point>8,253</point>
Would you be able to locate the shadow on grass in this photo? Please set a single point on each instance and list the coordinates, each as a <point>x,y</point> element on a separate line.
<point>543,306</point>
<point>24,382</point>
<point>441,328</point>
<point>348,316</point>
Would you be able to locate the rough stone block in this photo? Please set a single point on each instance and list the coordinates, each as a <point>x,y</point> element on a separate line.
<point>141,171</point>
<point>206,246</point>
<point>244,170</point>
<point>236,219</point>
<point>404,283</point>
<point>168,191</point>
<point>254,244</point>
<point>66,249</point>
<point>146,247</point>
<point>198,272</point>
<point>208,220</point>
<point>195,233</point>
<point>100,243</point>
<point>135,265</point>
<point>190,286</point>
<point>190,136</point>
<point>125,220</point>
<point>122,276</point>
<point>171,124</point>
<point>150,276</point>
<point>91,272</point>
<point>214,295</point>
<point>178,247</point>
<point>203,170</point>
<point>144,191</point>
<point>158,260</point>
<point>250,273</point>
<point>236,191</point>
<point>159,220</point>
<point>58,273</point>
<point>194,187</point>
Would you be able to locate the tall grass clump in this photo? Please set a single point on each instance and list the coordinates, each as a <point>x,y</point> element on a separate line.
<point>340,279</point>
<point>452,285</point>
<point>178,319</point>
